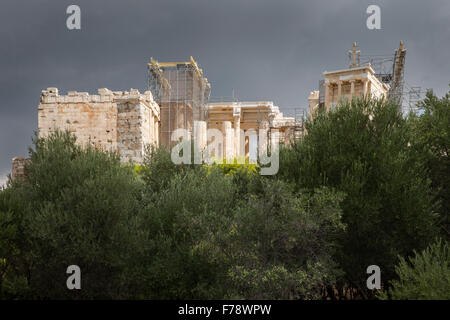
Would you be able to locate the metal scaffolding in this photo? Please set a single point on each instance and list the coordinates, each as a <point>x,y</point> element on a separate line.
<point>390,69</point>
<point>296,129</point>
<point>182,94</point>
<point>414,96</point>
<point>396,90</point>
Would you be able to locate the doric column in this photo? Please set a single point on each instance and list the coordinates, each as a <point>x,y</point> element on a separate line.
<point>228,143</point>
<point>365,87</point>
<point>246,144</point>
<point>237,129</point>
<point>237,136</point>
<point>263,137</point>
<point>339,89</point>
<point>352,88</point>
<point>200,140</point>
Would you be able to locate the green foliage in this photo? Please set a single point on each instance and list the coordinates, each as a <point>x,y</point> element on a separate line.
<point>362,148</point>
<point>237,166</point>
<point>223,231</point>
<point>431,142</point>
<point>182,221</point>
<point>363,187</point>
<point>76,206</point>
<point>158,168</point>
<point>138,169</point>
<point>9,245</point>
<point>241,171</point>
<point>426,275</point>
<point>281,245</point>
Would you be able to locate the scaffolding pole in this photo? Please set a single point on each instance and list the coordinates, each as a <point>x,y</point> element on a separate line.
<point>178,86</point>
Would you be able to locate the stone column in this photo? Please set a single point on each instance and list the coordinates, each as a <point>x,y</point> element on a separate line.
<point>352,88</point>
<point>200,134</point>
<point>228,143</point>
<point>237,136</point>
<point>339,89</point>
<point>200,140</point>
<point>263,137</point>
<point>365,87</point>
<point>246,144</point>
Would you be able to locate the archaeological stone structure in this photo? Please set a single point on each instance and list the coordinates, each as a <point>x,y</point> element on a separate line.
<point>346,84</point>
<point>18,166</point>
<point>178,97</point>
<point>240,121</point>
<point>127,121</point>
<point>121,121</point>
<point>358,80</point>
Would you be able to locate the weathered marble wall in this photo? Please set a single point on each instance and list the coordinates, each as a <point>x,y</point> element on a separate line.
<point>18,166</point>
<point>118,121</point>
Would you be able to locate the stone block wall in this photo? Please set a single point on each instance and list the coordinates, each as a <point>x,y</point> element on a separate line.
<point>119,121</point>
<point>18,167</point>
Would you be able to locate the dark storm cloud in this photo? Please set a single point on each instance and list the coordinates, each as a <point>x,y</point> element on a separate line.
<point>261,49</point>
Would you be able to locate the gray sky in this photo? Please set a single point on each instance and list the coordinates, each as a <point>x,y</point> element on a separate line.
<point>263,49</point>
